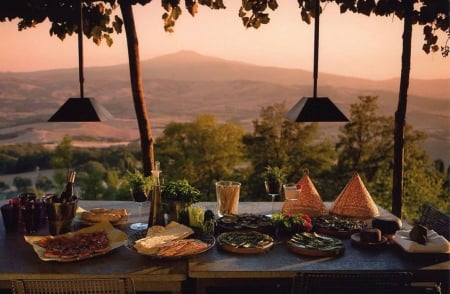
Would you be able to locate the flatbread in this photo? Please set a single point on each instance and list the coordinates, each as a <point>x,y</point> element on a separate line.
<point>97,215</point>
<point>159,235</point>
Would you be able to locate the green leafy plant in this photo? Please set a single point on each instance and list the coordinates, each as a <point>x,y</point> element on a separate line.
<point>273,175</point>
<point>180,190</point>
<point>138,182</point>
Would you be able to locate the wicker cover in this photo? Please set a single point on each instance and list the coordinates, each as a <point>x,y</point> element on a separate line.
<point>355,201</point>
<point>309,202</point>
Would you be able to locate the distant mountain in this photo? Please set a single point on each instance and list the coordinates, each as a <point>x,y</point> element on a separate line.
<point>180,86</point>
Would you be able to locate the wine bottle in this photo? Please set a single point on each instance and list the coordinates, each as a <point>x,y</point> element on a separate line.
<point>68,193</point>
<point>156,216</point>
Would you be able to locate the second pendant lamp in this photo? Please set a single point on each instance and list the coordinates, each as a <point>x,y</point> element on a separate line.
<point>315,109</point>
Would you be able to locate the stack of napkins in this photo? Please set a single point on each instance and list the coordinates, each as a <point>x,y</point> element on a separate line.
<point>435,243</point>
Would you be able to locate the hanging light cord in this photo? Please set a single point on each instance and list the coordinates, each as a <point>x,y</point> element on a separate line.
<point>80,51</point>
<point>316,45</point>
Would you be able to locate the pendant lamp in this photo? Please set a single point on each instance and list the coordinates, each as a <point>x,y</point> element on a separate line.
<point>315,109</point>
<point>80,109</point>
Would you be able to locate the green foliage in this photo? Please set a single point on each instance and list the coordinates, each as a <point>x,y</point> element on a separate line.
<point>431,14</point>
<point>292,146</point>
<point>44,184</point>
<point>180,190</point>
<point>204,151</point>
<point>258,15</point>
<point>23,157</point>
<point>201,152</point>
<point>3,186</point>
<point>138,182</point>
<point>90,179</point>
<point>274,175</point>
<point>61,161</point>
<point>62,155</point>
<point>23,184</point>
<point>365,145</point>
<point>365,141</point>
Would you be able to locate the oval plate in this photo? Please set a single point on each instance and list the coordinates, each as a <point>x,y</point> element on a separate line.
<point>245,242</point>
<point>208,239</point>
<point>245,222</point>
<point>313,244</point>
<point>336,233</point>
<point>356,240</point>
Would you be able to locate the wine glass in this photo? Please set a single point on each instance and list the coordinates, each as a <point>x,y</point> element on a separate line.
<point>140,197</point>
<point>273,189</point>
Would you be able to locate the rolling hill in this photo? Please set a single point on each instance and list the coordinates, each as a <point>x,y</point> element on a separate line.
<point>180,86</point>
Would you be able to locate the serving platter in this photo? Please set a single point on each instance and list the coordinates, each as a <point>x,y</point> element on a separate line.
<point>209,241</point>
<point>245,222</point>
<point>245,242</point>
<point>356,240</point>
<point>313,244</point>
<point>116,238</point>
<point>115,221</point>
<point>337,226</point>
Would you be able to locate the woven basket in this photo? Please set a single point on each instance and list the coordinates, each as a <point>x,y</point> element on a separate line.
<point>355,201</point>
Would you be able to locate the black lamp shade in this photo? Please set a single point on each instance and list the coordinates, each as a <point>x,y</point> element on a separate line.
<point>80,110</point>
<point>315,109</point>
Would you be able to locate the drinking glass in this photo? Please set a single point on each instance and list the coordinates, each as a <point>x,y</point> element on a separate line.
<point>140,198</point>
<point>227,193</point>
<point>291,193</point>
<point>273,189</point>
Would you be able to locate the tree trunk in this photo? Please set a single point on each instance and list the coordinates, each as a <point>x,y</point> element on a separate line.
<point>400,114</point>
<point>137,89</point>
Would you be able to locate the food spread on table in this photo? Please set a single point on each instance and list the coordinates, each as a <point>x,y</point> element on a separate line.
<point>369,238</point>
<point>245,233</point>
<point>245,221</point>
<point>314,244</point>
<point>414,241</point>
<point>246,242</point>
<point>76,246</point>
<point>86,243</point>
<point>170,242</point>
<point>97,215</point>
<point>337,225</point>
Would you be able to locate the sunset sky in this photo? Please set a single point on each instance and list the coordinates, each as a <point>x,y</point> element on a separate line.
<point>350,45</point>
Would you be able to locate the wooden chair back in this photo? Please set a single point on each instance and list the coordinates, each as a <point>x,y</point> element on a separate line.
<point>351,282</point>
<point>436,220</point>
<point>74,286</point>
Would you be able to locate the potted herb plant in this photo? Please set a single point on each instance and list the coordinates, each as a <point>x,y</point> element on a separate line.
<point>274,177</point>
<point>178,195</point>
<point>140,185</point>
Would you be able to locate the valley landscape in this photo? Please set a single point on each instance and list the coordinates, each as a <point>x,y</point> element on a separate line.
<point>180,86</point>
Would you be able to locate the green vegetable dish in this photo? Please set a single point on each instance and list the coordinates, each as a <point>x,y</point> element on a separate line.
<point>313,244</point>
<point>245,242</point>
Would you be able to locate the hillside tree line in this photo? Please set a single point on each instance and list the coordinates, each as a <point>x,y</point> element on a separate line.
<point>204,151</point>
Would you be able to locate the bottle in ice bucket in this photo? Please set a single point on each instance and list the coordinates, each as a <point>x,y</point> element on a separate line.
<point>68,193</point>
<point>156,211</point>
<point>61,209</point>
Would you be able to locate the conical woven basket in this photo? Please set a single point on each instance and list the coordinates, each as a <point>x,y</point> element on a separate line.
<point>309,202</point>
<point>355,201</point>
